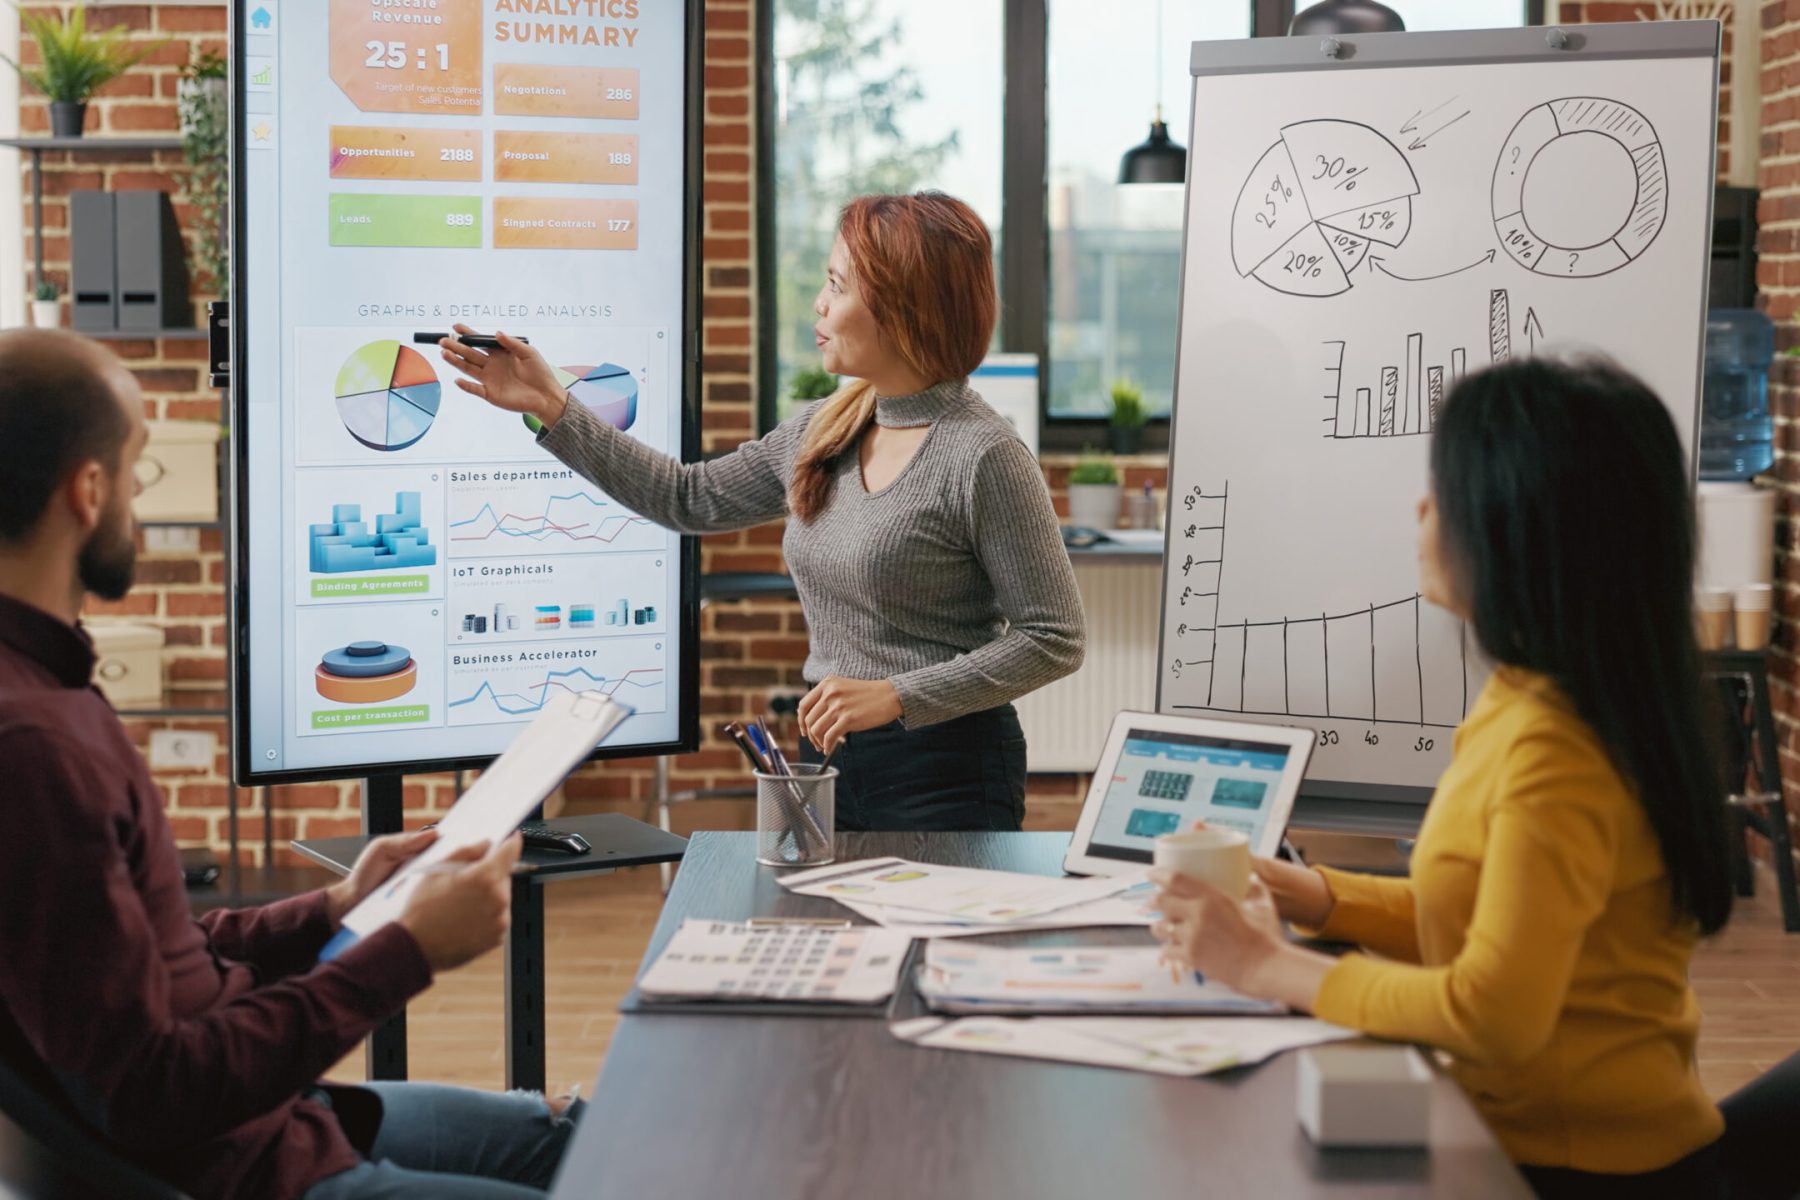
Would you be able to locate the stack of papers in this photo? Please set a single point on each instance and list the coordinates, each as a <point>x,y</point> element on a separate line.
<point>912,893</point>
<point>964,977</point>
<point>723,960</point>
<point>1130,907</point>
<point>1163,1045</point>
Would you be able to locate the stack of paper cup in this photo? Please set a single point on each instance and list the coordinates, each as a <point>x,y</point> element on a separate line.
<point>1753,603</point>
<point>1713,604</point>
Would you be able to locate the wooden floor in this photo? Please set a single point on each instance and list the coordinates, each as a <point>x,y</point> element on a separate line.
<point>1748,980</point>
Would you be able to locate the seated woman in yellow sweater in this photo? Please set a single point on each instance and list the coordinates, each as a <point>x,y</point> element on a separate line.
<point>1575,849</point>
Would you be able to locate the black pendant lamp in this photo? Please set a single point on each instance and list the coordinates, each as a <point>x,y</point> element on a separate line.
<point>1347,16</point>
<point>1157,159</point>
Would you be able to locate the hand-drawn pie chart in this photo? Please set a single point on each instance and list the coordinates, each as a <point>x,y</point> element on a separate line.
<point>1580,188</point>
<point>1316,202</point>
<point>387,395</point>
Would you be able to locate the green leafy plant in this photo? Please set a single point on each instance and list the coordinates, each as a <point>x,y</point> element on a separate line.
<point>1128,411</point>
<point>45,290</point>
<point>205,146</point>
<point>812,383</point>
<point>1094,468</point>
<point>74,62</point>
<point>207,64</point>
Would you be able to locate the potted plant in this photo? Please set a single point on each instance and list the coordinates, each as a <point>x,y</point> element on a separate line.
<point>205,146</point>
<point>46,305</point>
<point>1128,417</point>
<point>807,385</point>
<point>1094,492</point>
<point>73,63</point>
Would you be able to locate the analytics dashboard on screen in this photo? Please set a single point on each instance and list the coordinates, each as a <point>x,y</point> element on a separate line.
<point>415,576</point>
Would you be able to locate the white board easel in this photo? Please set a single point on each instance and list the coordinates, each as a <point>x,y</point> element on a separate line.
<point>1363,228</point>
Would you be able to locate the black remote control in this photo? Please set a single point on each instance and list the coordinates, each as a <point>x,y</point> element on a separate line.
<point>539,836</point>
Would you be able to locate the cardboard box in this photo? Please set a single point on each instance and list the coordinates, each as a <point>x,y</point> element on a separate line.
<point>180,470</point>
<point>130,666</point>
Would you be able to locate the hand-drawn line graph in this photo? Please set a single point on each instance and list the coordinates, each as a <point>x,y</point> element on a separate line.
<point>570,521</point>
<point>1408,393</point>
<point>500,696</point>
<point>1580,187</point>
<point>1314,204</point>
<point>1366,665</point>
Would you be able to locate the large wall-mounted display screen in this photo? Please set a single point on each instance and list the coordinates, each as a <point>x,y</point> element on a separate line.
<point>413,576</point>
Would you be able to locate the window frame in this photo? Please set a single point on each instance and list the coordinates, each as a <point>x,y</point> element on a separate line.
<point>1024,241</point>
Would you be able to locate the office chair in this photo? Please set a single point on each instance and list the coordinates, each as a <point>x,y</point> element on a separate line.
<point>49,1153</point>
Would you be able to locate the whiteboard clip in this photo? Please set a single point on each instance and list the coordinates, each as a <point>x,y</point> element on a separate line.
<point>1330,47</point>
<point>1557,39</point>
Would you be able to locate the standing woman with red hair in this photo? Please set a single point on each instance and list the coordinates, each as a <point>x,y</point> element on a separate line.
<point>921,537</point>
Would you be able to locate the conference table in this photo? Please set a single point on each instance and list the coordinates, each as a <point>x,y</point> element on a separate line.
<point>716,1104</point>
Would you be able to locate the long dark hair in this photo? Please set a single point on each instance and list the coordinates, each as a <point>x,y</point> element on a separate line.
<point>1565,514</point>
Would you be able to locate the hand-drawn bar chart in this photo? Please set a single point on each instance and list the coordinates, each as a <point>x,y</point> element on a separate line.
<point>1366,665</point>
<point>1404,397</point>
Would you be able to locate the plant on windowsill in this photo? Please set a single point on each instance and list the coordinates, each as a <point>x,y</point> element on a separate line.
<point>1094,492</point>
<point>74,64</point>
<point>205,134</point>
<point>807,385</point>
<point>1128,417</point>
<point>46,305</point>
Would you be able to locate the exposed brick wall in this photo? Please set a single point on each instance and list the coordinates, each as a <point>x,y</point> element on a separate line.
<point>1778,283</point>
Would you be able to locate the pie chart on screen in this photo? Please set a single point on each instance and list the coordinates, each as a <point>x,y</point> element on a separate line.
<point>387,395</point>
<point>608,391</point>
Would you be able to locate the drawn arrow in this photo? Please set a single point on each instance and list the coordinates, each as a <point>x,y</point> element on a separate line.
<point>1534,328</point>
<point>1375,264</point>
<point>1411,124</point>
<point>1419,143</point>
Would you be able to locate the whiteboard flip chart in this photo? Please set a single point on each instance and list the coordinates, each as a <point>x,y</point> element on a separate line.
<point>1362,232</point>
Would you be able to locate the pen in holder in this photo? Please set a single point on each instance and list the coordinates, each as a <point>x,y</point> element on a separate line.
<point>794,816</point>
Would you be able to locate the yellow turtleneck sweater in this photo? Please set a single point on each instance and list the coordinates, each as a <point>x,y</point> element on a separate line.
<point>1533,941</point>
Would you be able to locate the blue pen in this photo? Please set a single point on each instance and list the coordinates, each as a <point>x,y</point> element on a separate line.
<point>772,751</point>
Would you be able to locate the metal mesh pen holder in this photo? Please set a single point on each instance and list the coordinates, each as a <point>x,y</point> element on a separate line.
<point>794,816</point>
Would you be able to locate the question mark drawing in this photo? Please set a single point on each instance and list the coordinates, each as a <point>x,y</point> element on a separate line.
<point>1573,259</point>
<point>1515,158</point>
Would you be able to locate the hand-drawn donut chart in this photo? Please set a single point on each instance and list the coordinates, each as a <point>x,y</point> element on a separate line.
<point>1315,202</point>
<point>1580,188</point>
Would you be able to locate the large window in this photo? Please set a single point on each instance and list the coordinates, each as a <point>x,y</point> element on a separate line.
<point>1115,251</point>
<point>896,95</point>
<point>872,96</point>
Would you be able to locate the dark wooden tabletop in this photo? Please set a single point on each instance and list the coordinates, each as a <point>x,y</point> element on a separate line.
<point>744,1107</point>
<point>614,840</point>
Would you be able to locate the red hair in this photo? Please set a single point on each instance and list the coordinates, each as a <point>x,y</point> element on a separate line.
<point>924,267</point>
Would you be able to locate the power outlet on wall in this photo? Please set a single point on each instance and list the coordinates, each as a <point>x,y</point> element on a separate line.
<point>785,701</point>
<point>181,750</point>
<point>165,539</point>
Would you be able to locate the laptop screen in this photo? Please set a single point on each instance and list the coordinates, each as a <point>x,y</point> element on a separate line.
<point>1163,781</point>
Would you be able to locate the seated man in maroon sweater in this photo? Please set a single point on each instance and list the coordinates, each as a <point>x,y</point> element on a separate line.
<point>195,1046</point>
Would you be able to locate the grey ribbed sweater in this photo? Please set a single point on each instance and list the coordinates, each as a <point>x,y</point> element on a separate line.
<point>951,582</point>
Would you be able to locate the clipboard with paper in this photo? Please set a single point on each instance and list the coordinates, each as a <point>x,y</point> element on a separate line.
<point>563,733</point>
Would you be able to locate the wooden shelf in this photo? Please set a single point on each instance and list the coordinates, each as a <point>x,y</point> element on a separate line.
<point>187,334</point>
<point>121,145</point>
<point>196,702</point>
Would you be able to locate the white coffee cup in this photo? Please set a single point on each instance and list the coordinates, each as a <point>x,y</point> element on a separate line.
<point>1220,857</point>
